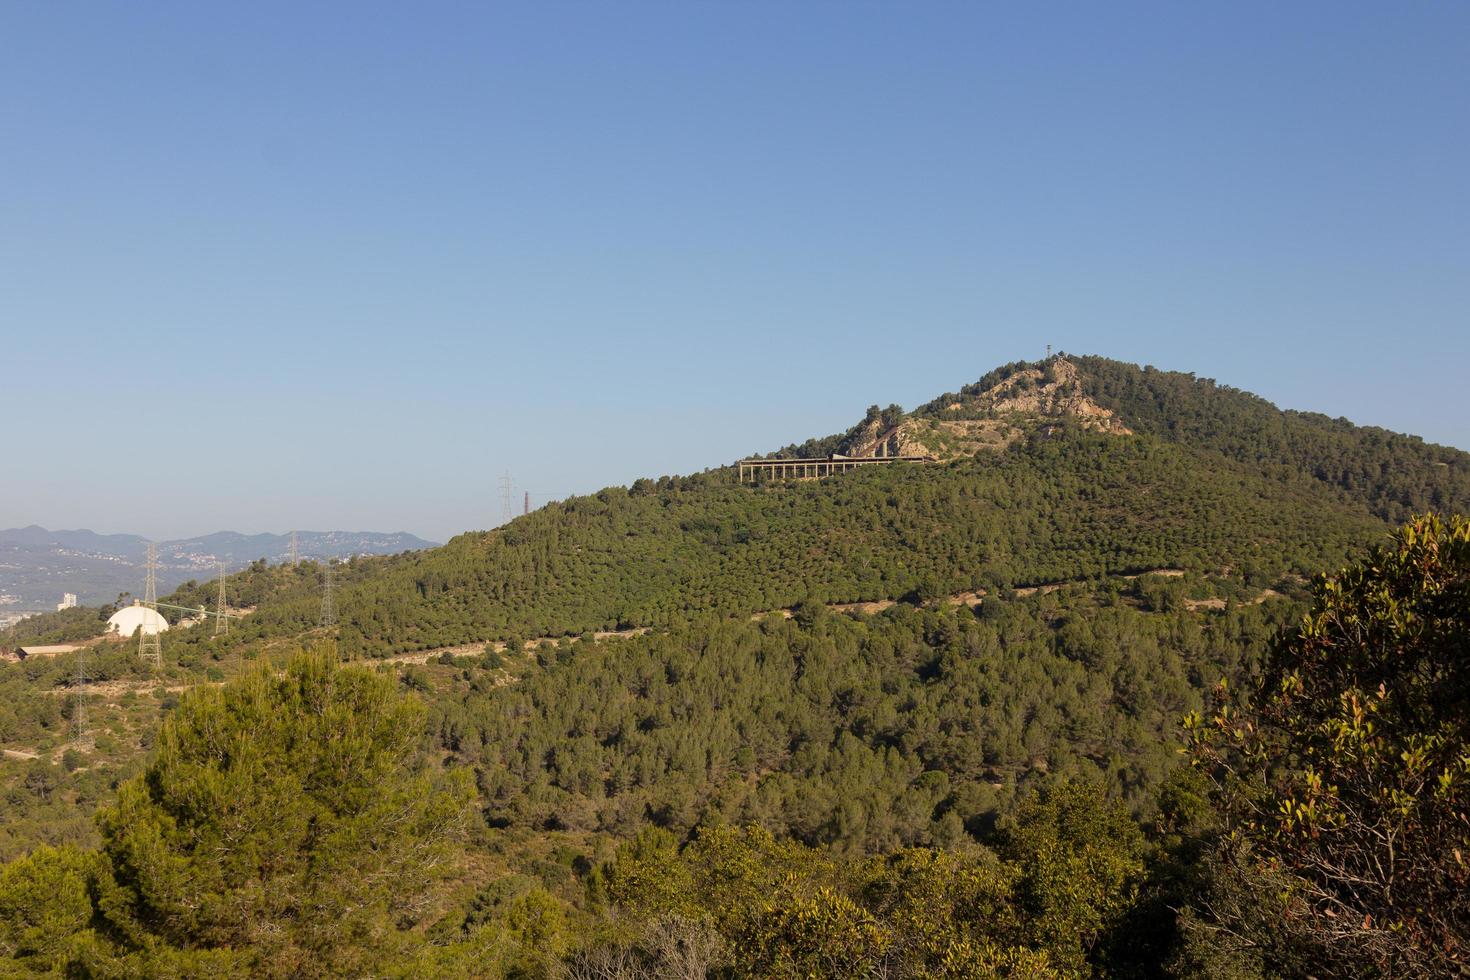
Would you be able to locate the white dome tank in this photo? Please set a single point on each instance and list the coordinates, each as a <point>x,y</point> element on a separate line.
<point>127,621</point>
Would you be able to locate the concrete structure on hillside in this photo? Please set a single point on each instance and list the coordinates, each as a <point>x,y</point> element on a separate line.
<point>808,468</point>
<point>68,601</point>
<point>129,619</point>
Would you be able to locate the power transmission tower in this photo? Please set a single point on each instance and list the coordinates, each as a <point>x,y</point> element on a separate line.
<point>528,503</point>
<point>329,607</point>
<point>221,621</point>
<point>150,645</point>
<point>79,735</point>
<point>505,486</point>
<point>295,555</point>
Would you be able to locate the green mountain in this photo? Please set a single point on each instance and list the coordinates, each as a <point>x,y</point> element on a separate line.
<point>907,655</point>
<point>1075,469</point>
<point>1393,475</point>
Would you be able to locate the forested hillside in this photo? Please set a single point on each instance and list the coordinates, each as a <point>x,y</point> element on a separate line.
<point>1066,507</point>
<point>930,792</point>
<point>1394,475</point>
<point>859,733</point>
<point>975,775</point>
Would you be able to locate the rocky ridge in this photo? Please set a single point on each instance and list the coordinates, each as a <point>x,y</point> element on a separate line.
<point>988,420</point>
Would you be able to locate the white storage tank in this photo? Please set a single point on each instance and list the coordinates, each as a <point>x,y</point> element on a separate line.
<point>129,619</point>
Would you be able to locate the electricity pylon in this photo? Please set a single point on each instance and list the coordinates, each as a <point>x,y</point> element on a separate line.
<point>505,487</point>
<point>329,608</point>
<point>79,735</point>
<point>221,621</point>
<point>295,555</point>
<point>150,645</point>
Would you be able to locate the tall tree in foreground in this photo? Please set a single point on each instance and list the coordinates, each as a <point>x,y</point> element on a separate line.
<point>46,913</point>
<point>280,826</point>
<point>1345,780</point>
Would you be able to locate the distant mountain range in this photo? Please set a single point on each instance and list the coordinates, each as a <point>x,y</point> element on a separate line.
<point>38,566</point>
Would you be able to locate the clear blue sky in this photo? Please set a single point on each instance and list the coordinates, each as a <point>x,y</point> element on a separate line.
<point>340,265</point>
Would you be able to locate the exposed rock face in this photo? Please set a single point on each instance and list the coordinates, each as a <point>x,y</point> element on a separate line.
<point>874,438</point>
<point>1054,391</point>
<point>991,419</point>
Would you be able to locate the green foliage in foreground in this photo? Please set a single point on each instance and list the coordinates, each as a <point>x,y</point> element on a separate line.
<point>287,823</point>
<point>1066,867</point>
<point>46,910</point>
<point>280,827</point>
<point>1345,774</point>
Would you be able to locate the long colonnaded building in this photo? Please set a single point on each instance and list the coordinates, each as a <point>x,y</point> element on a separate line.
<point>813,468</point>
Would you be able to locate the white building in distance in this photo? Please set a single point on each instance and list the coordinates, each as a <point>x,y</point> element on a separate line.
<point>68,601</point>
<point>129,619</point>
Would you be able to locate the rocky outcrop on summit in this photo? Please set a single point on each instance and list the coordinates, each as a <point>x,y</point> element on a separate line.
<point>988,419</point>
<point>1053,390</point>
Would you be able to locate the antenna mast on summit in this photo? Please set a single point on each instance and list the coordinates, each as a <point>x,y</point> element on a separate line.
<point>505,487</point>
<point>221,621</point>
<point>150,645</point>
<point>295,554</point>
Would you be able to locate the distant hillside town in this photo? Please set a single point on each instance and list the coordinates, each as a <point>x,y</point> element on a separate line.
<point>43,570</point>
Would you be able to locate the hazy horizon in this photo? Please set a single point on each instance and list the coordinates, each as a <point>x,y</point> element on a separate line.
<point>268,266</point>
<point>218,530</point>
<point>493,503</point>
